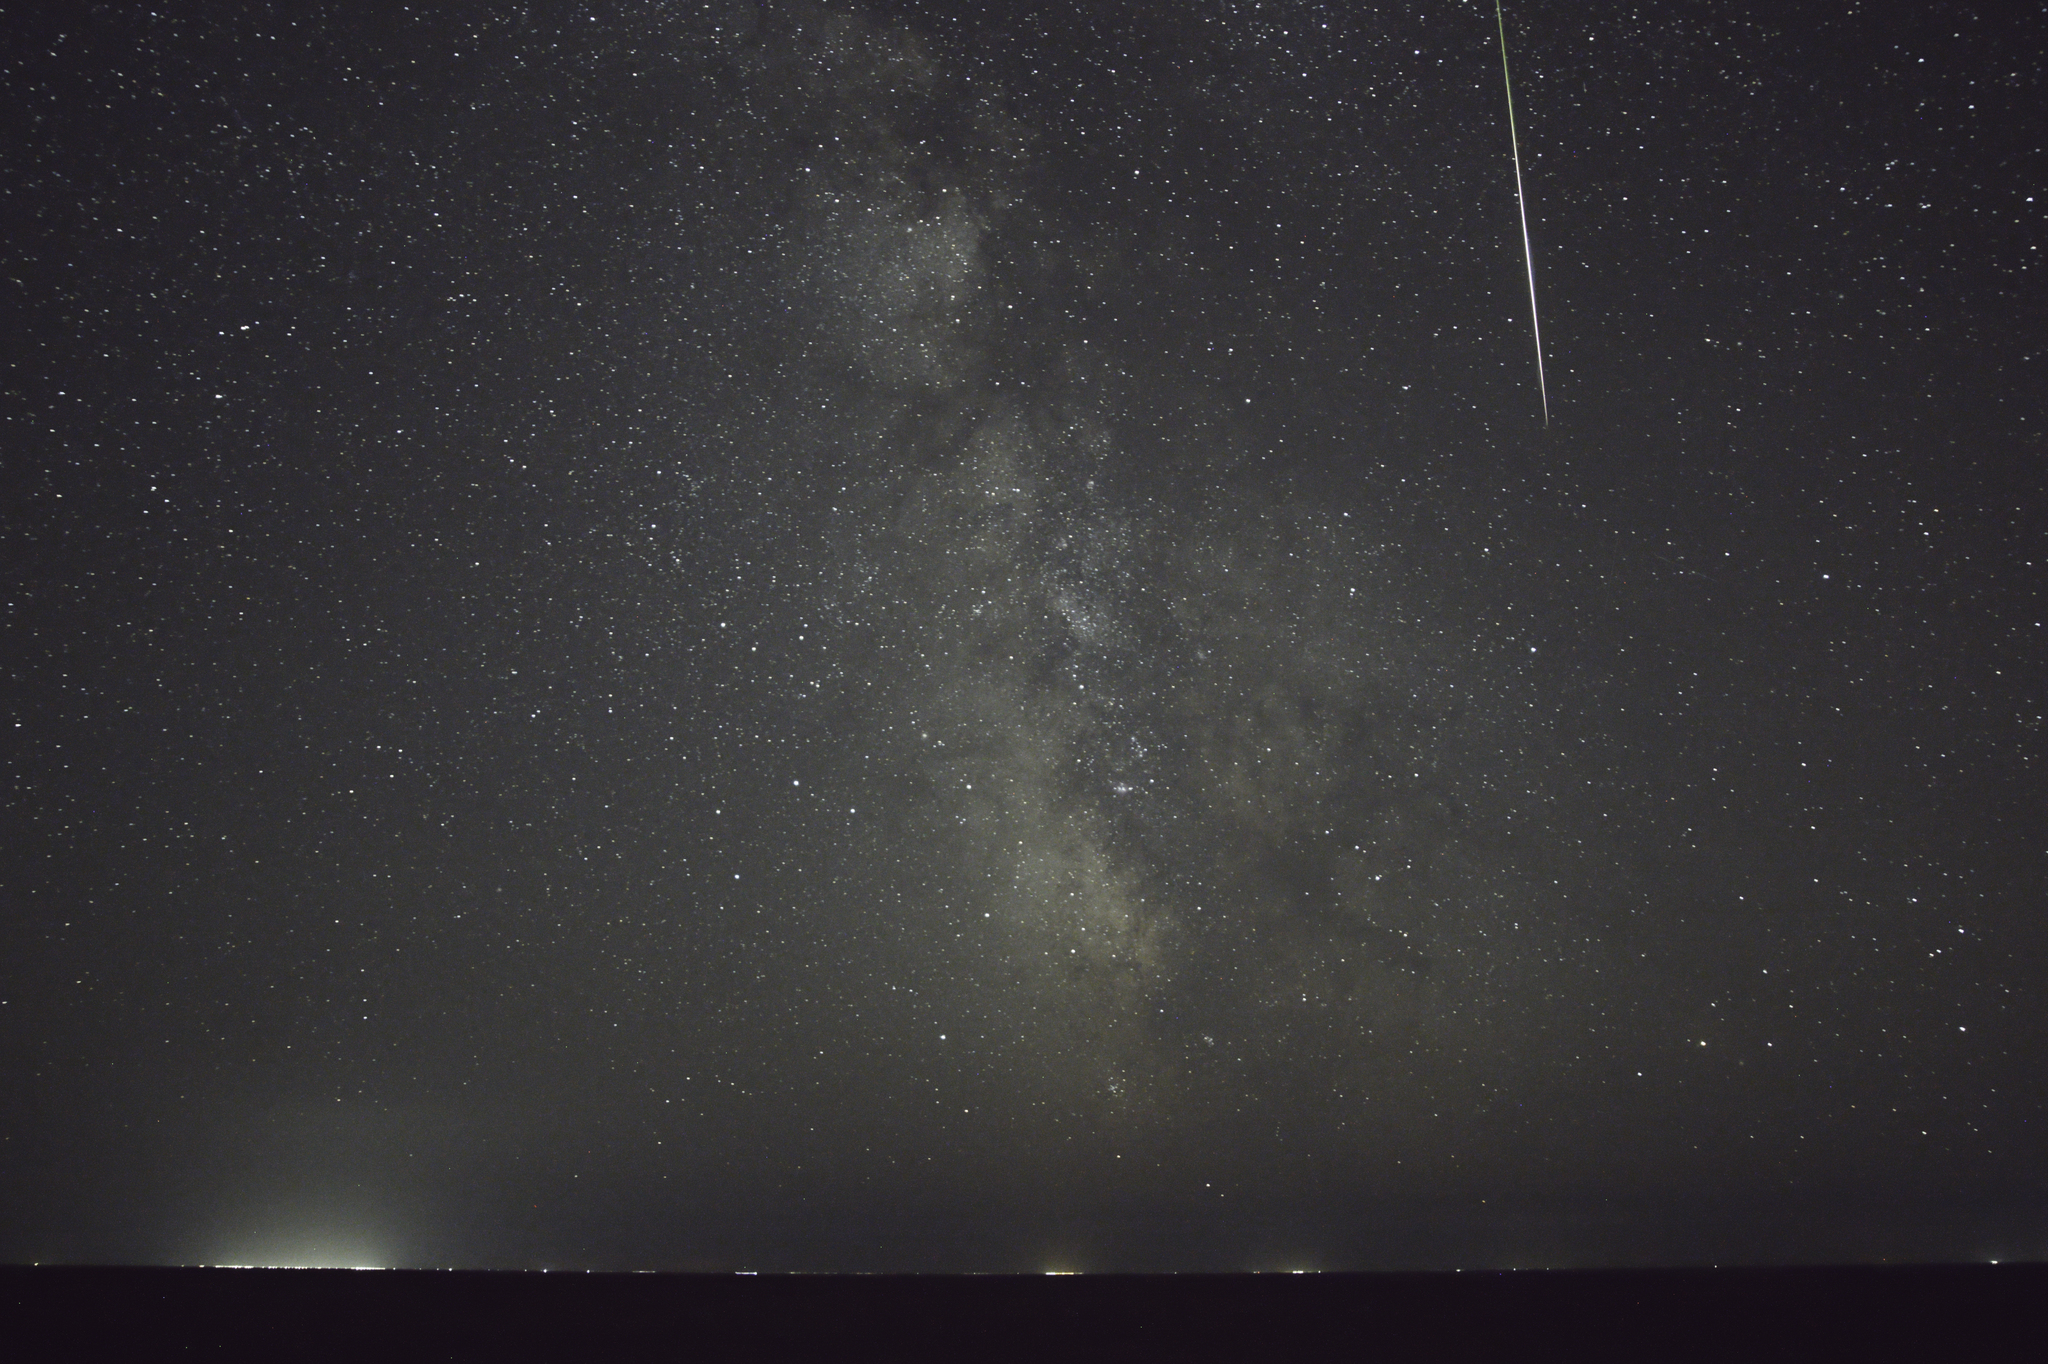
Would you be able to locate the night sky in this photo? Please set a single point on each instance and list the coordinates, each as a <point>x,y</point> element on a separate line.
<point>947,636</point>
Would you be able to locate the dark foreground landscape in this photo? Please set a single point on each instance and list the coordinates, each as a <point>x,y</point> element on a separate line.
<point>1939,1312</point>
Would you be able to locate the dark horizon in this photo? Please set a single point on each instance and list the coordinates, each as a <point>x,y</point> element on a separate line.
<point>946,638</point>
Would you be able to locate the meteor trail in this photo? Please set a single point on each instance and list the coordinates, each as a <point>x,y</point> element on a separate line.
<point>1522,206</point>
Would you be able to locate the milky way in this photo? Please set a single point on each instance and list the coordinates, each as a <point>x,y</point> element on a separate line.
<point>1226,841</point>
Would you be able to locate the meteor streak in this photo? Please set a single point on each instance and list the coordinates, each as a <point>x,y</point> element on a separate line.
<point>1522,206</point>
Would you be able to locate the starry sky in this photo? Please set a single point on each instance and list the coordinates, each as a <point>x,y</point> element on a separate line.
<point>946,636</point>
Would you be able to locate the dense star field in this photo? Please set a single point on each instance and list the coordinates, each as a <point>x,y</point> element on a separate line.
<point>937,636</point>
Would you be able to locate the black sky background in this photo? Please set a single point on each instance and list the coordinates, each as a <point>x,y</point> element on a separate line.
<point>919,636</point>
